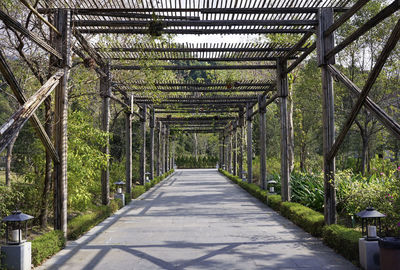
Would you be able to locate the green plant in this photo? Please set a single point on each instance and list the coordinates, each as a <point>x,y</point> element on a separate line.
<point>46,245</point>
<point>275,201</point>
<point>343,240</point>
<point>308,190</point>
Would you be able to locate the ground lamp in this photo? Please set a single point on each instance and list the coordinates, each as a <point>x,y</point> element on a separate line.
<point>368,245</point>
<point>147,177</point>
<point>17,251</point>
<point>244,178</point>
<point>120,195</point>
<point>271,185</point>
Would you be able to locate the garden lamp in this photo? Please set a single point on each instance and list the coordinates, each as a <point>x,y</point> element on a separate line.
<point>244,178</point>
<point>120,184</point>
<point>370,222</point>
<point>16,227</point>
<point>147,177</point>
<point>271,184</point>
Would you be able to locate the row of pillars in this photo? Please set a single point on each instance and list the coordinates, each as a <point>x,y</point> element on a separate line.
<point>231,143</point>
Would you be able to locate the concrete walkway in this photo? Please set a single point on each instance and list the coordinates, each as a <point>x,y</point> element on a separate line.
<point>197,219</point>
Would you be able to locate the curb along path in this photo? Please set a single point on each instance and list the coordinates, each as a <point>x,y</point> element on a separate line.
<point>197,219</point>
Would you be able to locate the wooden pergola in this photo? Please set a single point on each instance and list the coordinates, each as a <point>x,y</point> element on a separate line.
<point>235,105</point>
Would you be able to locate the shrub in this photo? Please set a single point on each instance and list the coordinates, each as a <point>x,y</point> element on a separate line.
<point>140,189</point>
<point>308,219</point>
<point>274,201</point>
<point>343,240</point>
<point>46,245</point>
<point>137,191</point>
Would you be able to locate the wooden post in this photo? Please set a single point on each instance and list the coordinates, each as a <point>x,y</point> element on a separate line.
<point>283,91</point>
<point>152,124</point>
<point>62,44</point>
<point>128,165</point>
<point>159,149</point>
<point>240,141</point>
<point>249,112</point>
<point>223,151</point>
<point>229,167</point>
<point>235,155</point>
<point>143,113</point>
<point>262,110</point>
<point>325,44</point>
<point>163,132</point>
<point>105,92</point>
<point>167,148</point>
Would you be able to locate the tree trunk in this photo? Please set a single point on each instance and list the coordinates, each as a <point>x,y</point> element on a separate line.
<point>48,166</point>
<point>9,160</point>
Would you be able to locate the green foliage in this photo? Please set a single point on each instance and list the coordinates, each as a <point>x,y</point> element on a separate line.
<point>85,161</point>
<point>140,189</point>
<point>308,190</point>
<point>83,223</point>
<point>46,245</point>
<point>190,162</point>
<point>275,201</point>
<point>308,219</point>
<point>137,191</point>
<point>343,240</point>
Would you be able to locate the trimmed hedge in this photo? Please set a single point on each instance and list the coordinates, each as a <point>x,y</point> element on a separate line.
<point>46,245</point>
<point>343,240</point>
<point>83,223</point>
<point>140,189</point>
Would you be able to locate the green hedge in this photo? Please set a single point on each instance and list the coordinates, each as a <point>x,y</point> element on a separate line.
<point>343,240</point>
<point>140,189</point>
<point>83,223</point>
<point>46,245</point>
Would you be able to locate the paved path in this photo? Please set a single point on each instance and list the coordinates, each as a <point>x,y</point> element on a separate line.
<point>197,219</point>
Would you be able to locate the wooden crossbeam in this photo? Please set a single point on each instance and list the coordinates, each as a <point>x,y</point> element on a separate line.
<point>14,124</point>
<point>217,67</point>
<point>385,119</point>
<point>12,82</point>
<point>196,48</point>
<point>302,57</point>
<point>15,25</point>
<point>383,14</point>
<point>198,90</point>
<point>191,119</point>
<point>389,46</point>
<point>193,23</point>
<point>217,59</point>
<point>88,48</point>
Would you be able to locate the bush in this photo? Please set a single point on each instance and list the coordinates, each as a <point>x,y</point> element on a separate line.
<point>343,240</point>
<point>139,190</point>
<point>275,201</point>
<point>46,245</point>
<point>83,223</point>
<point>306,218</point>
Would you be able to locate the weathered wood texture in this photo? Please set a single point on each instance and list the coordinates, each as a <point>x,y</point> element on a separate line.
<point>249,144</point>
<point>263,144</point>
<point>167,148</point>
<point>142,165</point>
<point>105,92</point>
<point>18,92</point>
<point>152,126</point>
<point>14,124</point>
<point>240,135</point>
<point>389,46</point>
<point>324,44</point>
<point>374,108</point>
<point>283,91</point>
<point>216,67</point>
<point>63,45</point>
<point>128,152</point>
<point>235,152</point>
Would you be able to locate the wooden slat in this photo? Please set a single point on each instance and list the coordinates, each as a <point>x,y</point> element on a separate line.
<point>14,124</point>
<point>122,67</point>
<point>13,83</point>
<point>15,25</point>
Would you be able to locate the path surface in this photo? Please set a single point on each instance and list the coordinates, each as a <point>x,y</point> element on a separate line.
<point>197,219</point>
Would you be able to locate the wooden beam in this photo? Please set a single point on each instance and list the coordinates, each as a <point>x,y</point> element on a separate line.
<point>240,136</point>
<point>374,108</point>
<point>249,144</point>
<point>105,93</point>
<point>301,58</point>
<point>324,44</point>
<point>88,48</point>
<point>389,46</point>
<point>193,23</point>
<point>18,92</point>
<point>143,113</point>
<point>298,46</point>
<point>199,59</point>
<point>217,67</point>
<point>34,11</point>
<point>14,124</point>
<point>383,14</point>
<point>16,26</point>
<point>283,92</point>
<point>152,126</point>
<point>63,45</point>
<point>267,102</point>
<point>167,131</point>
<point>263,147</point>
<point>128,153</point>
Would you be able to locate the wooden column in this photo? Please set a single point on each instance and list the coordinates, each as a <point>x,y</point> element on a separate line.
<point>325,44</point>
<point>163,132</point>
<point>283,91</point>
<point>235,154</point>
<point>167,148</point>
<point>62,43</point>
<point>128,151</point>
<point>143,113</point>
<point>229,168</point>
<point>152,125</point>
<point>249,112</point>
<point>105,92</point>
<point>240,141</point>
<point>159,149</point>
<point>223,151</point>
<point>263,147</point>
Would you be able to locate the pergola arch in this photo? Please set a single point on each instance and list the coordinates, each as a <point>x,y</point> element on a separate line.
<point>75,19</point>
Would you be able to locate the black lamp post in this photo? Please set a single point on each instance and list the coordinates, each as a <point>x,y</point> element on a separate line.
<point>271,184</point>
<point>370,223</point>
<point>16,226</point>
<point>120,184</point>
